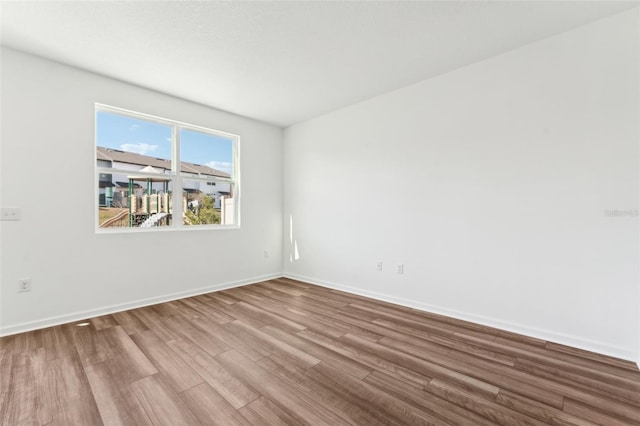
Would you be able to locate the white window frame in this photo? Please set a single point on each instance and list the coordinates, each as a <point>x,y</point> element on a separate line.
<point>176,175</point>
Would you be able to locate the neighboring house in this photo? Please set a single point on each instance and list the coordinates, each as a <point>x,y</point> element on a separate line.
<point>114,188</point>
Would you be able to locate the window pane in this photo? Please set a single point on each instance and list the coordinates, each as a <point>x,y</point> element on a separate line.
<point>207,203</point>
<point>132,144</point>
<point>136,170</point>
<point>137,203</point>
<point>206,154</point>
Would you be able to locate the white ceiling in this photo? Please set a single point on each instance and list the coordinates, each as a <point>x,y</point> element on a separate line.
<point>283,62</point>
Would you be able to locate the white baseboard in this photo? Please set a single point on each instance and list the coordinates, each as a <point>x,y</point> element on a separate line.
<point>548,335</point>
<point>76,316</point>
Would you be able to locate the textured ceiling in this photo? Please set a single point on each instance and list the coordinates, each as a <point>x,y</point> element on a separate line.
<point>283,62</point>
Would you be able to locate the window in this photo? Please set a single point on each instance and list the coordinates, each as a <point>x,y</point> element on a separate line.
<point>157,173</point>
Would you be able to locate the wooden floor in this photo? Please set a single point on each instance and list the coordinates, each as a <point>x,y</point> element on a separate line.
<point>284,352</point>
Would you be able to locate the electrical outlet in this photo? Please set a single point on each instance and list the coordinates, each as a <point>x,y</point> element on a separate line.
<point>401,269</point>
<point>24,285</point>
<point>379,266</point>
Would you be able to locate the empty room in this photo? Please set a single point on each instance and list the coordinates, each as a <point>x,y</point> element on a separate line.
<point>319,213</point>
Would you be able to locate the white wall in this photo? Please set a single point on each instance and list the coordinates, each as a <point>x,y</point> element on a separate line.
<point>490,184</point>
<point>47,137</point>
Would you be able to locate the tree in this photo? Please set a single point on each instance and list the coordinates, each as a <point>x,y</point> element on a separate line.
<point>205,213</point>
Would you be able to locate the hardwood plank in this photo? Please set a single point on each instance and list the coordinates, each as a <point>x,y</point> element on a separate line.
<point>427,320</point>
<point>269,318</point>
<point>597,404</point>
<point>179,375</point>
<point>220,297</point>
<point>625,391</point>
<point>125,359</point>
<point>411,343</point>
<point>596,415</point>
<point>424,367</point>
<point>291,353</point>
<point>129,322</point>
<point>579,364</point>
<point>57,341</point>
<point>211,408</point>
<point>436,343</point>
<point>279,285</point>
<point>324,393</point>
<point>161,404</point>
<point>205,309</point>
<point>155,322</point>
<point>279,366</point>
<point>345,364</point>
<point>259,347</point>
<point>302,409</point>
<point>72,401</point>
<point>544,388</point>
<point>117,406</point>
<point>503,376</point>
<point>186,329</point>
<point>602,359</point>
<point>232,339</point>
<point>240,314</point>
<point>230,387</point>
<point>544,413</point>
<point>89,345</point>
<point>479,405</point>
<point>168,309</point>
<point>23,342</point>
<point>345,323</point>
<point>322,315</point>
<point>300,298</point>
<point>6,362</point>
<point>27,398</point>
<point>217,301</point>
<point>264,412</point>
<point>185,310</point>
<point>437,407</point>
<point>278,307</point>
<point>102,322</point>
<point>367,358</point>
<point>249,296</point>
<point>358,393</point>
<point>296,284</point>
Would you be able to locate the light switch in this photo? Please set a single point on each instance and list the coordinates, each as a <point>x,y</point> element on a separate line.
<point>10,213</point>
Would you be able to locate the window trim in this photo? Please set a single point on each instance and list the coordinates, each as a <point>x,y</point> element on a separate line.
<point>176,175</point>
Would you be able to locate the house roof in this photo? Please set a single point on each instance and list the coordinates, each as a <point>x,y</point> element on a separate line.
<point>115,155</point>
<point>126,185</point>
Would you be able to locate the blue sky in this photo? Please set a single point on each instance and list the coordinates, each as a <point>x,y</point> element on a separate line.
<point>153,139</point>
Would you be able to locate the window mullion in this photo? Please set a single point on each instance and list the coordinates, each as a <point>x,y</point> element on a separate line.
<point>178,214</point>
